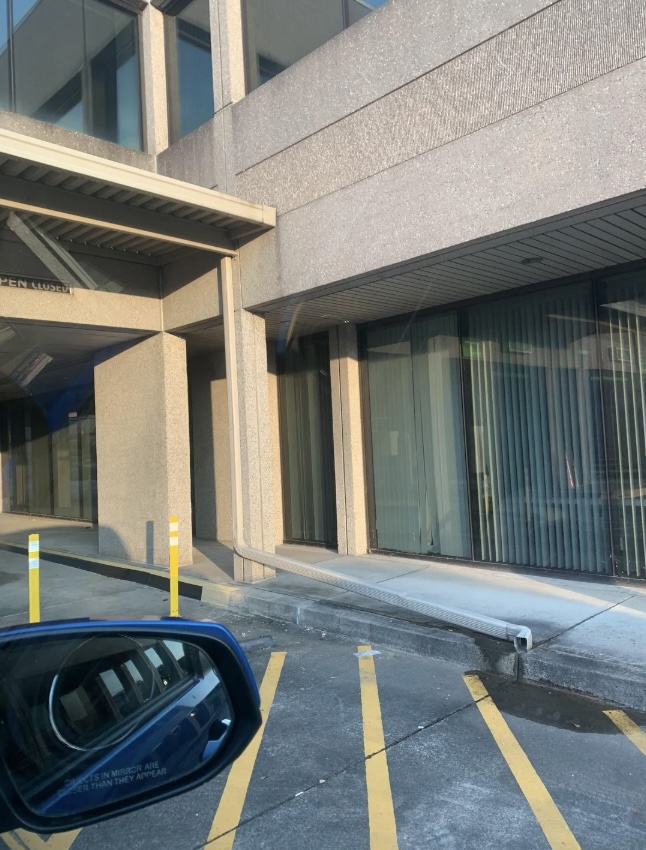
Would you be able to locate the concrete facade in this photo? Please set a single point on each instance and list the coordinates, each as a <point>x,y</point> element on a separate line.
<point>417,159</point>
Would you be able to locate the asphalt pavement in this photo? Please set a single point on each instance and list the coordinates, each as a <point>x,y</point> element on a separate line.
<point>367,748</point>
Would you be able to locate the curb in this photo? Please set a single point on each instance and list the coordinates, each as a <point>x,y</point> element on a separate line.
<point>552,667</point>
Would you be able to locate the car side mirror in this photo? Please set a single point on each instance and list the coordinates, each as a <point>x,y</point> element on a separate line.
<point>102,718</point>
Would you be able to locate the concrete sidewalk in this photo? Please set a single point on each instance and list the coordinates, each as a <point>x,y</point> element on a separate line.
<point>589,636</point>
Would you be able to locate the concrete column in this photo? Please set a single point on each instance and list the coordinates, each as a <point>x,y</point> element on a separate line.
<point>228,46</point>
<point>352,525</point>
<point>211,461</point>
<point>142,449</point>
<point>255,444</point>
<point>153,64</point>
<point>251,456</point>
<point>274,430</point>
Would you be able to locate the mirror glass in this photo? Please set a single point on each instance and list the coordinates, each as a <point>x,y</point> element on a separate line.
<point>90,721</point>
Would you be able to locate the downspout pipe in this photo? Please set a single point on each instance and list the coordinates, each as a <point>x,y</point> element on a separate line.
<point>521,636</point>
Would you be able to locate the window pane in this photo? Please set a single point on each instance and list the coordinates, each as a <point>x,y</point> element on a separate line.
<point>417,437</point>
<point>622,328</point>
<point>48,60</point>
<point>538,484</point>
<point>394,450</point>
<point>280,32</point>
<point>190,70</point>
<point>113,70</point>
<point>5,99</point>
<point>77,65</point>
<point>49,454</point>
<point>306,439</point>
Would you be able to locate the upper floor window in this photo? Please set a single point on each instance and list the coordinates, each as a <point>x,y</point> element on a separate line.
<point>280,32</point>
<point>74,63</point>
<point>190,67</point>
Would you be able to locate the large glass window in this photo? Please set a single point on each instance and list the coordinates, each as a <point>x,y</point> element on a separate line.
<point>280,32</point>
<point>514,431</point>
<point>48,445</point>
<point>535,432</point>
<point>190,69</point>
<point>307,450</point>
<point>416,438</point>
<point>74,63</point>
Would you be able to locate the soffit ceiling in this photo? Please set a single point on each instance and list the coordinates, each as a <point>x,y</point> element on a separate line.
<point>578,243</point>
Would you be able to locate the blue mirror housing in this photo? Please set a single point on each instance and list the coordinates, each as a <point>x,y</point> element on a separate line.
<point>102,718</point>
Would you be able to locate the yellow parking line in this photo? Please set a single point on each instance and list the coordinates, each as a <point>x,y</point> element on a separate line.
<point>545,809</point>
<point>381,814</point>
<point>60,841</point>
<point>630,729</point>
<point>231,803</point>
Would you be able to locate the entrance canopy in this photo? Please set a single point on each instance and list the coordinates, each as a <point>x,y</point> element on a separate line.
<point>76,197</point>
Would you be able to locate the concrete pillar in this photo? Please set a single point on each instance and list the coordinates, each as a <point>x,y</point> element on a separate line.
<point>153,64</point>
<point>228,47</point>
<point>210,434</point>
<point>349,469</point>
<point>142,449</point>
<point>274,430</point>
<point>251,458</point>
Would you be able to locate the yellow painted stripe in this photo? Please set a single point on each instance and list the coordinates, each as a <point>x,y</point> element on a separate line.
<point>547,814</point>
<point>11,842</point>
<point>60,841</point>
<point>630,729</point>
<point>231,803</point>
<point>381,814</point>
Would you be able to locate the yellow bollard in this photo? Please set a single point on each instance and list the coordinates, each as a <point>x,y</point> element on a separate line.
<point>173,564</point>
<point>34,578</point>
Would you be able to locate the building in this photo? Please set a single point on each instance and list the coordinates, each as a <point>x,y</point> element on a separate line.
<point>413,234</point>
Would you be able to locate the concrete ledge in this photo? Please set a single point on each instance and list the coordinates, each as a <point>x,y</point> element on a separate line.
<point>596,677</point>
<point>622,684</point>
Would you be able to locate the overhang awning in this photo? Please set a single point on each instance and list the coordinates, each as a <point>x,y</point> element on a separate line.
<point>77,197</point>
<point>579,242</point>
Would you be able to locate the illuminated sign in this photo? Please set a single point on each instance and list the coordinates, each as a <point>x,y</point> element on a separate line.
<point>35,283</point>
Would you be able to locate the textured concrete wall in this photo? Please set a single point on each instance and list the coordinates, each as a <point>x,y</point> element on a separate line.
<point>199,157</point>
<point>190,291</point>
<point>210,435</point>
<point>553,52</point>
<point>382,52</point>
<point>126,294</point>
<point>142,447</point>
<point>571,151</point>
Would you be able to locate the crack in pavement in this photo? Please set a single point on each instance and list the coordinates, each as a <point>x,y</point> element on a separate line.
<point>355,763</point>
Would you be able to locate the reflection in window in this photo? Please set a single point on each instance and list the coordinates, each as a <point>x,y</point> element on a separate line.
<point>280,32</point>
<point>416,437</point>
<point>74,63</point>
<point>190,69</point>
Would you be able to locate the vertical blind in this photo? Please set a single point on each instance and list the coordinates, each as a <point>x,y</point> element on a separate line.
<point>535,437</point>
<point>622,320</point>
<point>545,395</point>
<point>417,437</point>
<point>307,447</point>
